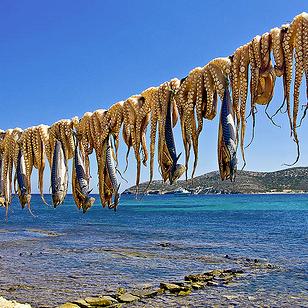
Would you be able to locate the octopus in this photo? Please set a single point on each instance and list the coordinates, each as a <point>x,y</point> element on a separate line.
<point>8,145</point>
<point>263,76</point>
<point>239,85</point>
<point>295,38</point>
<point>188,98</point>
<point>136,117</point>
<point>151,96</point>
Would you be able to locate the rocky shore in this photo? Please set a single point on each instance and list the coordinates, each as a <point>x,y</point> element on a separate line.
<point>148,295</point>
<point>189,291</point>
<point>4,303</point>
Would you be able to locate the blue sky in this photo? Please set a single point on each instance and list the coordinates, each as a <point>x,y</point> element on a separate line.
<point>59,59</point>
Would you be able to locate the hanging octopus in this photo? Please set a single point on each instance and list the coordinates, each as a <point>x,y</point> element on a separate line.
<point>114,119</point>
<point>9,144</point>
<point>189,97</point>
<point>151,97</point>
<point>136,117</point>
<point>263,76</point>
<point>239,85</point>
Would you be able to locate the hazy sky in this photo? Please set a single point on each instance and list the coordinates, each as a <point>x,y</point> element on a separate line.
<point>59,59</point>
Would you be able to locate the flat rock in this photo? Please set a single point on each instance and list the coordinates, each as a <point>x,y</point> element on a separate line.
<point>172,287</point>
<point>127,298</point>
<point>146,292</point>
<point>81,303</point>
<point>184,293</point>
<point>197,286</point>
<point>100,301</point>
<point>175,287</point>
<point>216,272</point>
<point>69,305</point>
<point>199,277</point>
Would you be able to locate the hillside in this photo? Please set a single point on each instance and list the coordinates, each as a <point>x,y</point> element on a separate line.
<point>246,182</point>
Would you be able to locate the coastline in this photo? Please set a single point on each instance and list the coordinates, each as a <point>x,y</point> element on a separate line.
<point>158,240</point>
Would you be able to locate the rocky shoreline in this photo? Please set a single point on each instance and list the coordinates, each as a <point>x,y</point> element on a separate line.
<point>191,284</point>
<point>188,291</point>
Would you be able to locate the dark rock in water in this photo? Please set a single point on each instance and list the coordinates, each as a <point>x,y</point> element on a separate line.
<point>165,244</point>
<point>174,287</point>
<point>127,298</point>
<point>199,277</point>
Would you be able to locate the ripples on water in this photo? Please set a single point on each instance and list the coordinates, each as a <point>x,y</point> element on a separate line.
<point>62,254</point>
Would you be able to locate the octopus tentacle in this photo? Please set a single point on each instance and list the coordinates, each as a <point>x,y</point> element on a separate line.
<point>152,97</point>
<point>299,71</point>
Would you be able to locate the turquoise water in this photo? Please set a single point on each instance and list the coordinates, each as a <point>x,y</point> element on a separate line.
<point>67,254</point>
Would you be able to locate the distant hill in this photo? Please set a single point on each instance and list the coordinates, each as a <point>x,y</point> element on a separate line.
<point>292,180</point>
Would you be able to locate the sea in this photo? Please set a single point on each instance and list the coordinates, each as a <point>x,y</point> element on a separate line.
<point>62,254</point>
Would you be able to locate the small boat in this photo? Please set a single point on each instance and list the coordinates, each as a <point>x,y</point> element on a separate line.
<point>181,191</point>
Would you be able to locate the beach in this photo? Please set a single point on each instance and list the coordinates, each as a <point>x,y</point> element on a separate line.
<point>62,254</point>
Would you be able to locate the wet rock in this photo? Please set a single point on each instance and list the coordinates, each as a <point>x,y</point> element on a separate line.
<point>100,301</point>
<point>175,287</point>
<point>128,298</point>
<point>228,277</point>
<point>146,292</point>
<point>81,303</point>
<point>216,272</point>
<point>160,291</point>
<point>184,293</point>
<point>69,305</point>
<point>197,285</point>
<point>199,277</point>
<point>121,291</point>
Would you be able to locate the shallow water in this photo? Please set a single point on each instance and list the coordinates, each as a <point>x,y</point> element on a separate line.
<point>63,254</point>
